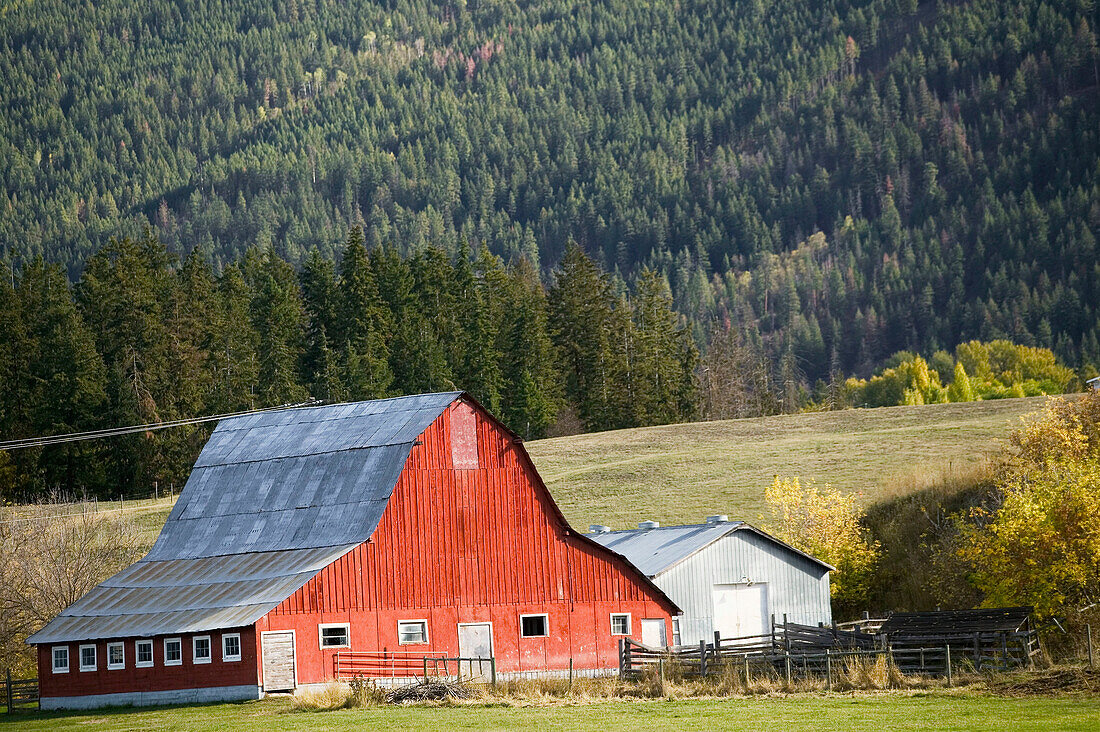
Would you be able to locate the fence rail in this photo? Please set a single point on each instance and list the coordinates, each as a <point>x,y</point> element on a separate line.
<point>18,692</point>
<point>349,665</point>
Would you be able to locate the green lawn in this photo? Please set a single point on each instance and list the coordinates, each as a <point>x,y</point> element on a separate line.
<point>682,473</point>
<point>839,712</point>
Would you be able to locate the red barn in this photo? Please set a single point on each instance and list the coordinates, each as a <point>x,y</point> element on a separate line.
<point>414,526</point>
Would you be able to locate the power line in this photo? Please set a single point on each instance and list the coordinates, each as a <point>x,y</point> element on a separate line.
<point>134,429</point>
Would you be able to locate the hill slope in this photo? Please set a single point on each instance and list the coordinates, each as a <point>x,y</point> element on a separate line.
<point>682,473</point>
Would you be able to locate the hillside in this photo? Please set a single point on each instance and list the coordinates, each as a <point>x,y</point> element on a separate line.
<point>683,473</point>
<point>848,177</point>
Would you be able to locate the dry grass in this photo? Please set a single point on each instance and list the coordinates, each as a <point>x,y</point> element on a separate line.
<point>681,473</point>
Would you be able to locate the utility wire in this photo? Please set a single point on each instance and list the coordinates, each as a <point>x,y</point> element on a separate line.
<point>134,429</point>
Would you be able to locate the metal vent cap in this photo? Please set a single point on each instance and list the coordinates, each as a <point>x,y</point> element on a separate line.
<point>649,524</point>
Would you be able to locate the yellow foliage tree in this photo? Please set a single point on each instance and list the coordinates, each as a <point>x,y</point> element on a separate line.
<point>825,523</point>
<point>1041,545</point>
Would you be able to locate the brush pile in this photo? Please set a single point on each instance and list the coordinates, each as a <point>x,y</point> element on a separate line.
<point>429,690</point>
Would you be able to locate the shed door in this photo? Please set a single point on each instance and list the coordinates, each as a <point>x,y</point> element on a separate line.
<point>653,633</point>
<point>741,610</point>
<point>278,659</point>
<point>475,641</point>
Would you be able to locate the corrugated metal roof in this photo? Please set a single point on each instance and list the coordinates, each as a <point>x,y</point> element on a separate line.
<point>656,550</point>
<point>188,595</point>
<point>273,498</point>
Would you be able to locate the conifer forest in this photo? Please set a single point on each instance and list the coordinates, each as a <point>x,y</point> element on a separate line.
<point>589,214</point>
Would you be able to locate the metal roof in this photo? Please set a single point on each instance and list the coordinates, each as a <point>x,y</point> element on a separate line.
<point>273,499</point>
<point>657,550</point>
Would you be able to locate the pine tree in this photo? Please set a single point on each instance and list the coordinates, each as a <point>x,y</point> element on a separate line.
<point>363,326</point>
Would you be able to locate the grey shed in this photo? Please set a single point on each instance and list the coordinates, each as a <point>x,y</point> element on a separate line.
<point>727,576</point>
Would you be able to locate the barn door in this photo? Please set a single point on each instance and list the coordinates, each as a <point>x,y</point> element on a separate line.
<point>475,641</point>
<point>653,633</point>
<point>278,660</point>
<point>741,610</point>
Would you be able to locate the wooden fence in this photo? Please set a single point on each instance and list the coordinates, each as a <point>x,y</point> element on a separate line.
<point>18,692</point>
<point>400,665</point>
<point>797,651</point>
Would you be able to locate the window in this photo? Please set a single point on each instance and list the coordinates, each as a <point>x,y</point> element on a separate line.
<point>533,626</point>
<point>173,652</point>
<point>676,631</point>
<point>620,623</point>
<point>116,656</point>
<point>87,658</point>
<point>143,653</point>
<point>412,631</point>
<point>61,659</point>
<point>200,647</point>
<point>231,647</point>
<point>334,635</point>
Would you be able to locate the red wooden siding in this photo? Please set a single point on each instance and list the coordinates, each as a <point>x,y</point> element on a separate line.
<point>470,545</point>
<point>157,677</point>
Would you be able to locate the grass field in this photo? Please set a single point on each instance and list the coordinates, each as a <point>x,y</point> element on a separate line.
<point>682,473</point>
<point>940,711</point>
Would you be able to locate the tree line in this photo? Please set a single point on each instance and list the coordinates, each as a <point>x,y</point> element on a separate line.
<point>143,338</point>
<point>833,181</point>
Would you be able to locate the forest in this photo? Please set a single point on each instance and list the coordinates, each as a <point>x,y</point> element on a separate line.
<point>835,181</point>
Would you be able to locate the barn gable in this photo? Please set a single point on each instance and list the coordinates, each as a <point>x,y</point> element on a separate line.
<point>273,498</point>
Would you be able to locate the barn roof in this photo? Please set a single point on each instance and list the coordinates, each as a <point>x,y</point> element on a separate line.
<point>659,549</point>
<point>273,499</point>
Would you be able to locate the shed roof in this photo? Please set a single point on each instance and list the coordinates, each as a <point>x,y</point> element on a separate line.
<point>273,499</point>
<point>659,549</point>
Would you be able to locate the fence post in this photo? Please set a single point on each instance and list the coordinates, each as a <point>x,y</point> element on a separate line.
<point>828,669</point>
<point>9,694</point>
<point>622,658</point>
<point>425,669</point>
<point>717,643</point>
<point>1088,645</point>
<point>702,658</point>
<point>947,662</point>
<point>787,657</point>
<point>747,672</point>
<point>493,671</point>
<point>661,673</point>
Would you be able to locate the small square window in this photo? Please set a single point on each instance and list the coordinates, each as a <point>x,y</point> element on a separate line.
<point>88,658</point>
<point>200,647</point>
<point>231,647</point>
<point>143,653</point>
<point>533,626</point>
<point>173,652</point>
<point>116,656</point>
<point>334,635</point>
<point>61,659</point>
<point>412,631</point>
<point>620,623</point>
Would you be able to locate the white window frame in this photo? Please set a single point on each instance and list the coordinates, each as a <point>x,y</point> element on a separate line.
<point>138,663</point>
<point>53,660</point>
<point>419,621</point>
<point>121,664</point>
<point>545,625</point>
<point>322,627</point>
<point>229,657</point>
<point>195,649</point>
<point>676,639</point>
<point>95,657</point>
<point>178,661</point>
<point>628,623</point>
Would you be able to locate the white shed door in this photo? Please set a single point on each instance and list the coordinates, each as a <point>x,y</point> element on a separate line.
<point>278,651</point>
<point>741,610</point>
<point>475,641</point>
<point>653,633</point>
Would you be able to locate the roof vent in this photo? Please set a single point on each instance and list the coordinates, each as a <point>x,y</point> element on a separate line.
<point>599,529</point>
<point>648,524</point>
<point>719,519</point>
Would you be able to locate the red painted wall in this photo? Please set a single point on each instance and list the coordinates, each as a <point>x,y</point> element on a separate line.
<point>157,677</point>
<point>466,545</point>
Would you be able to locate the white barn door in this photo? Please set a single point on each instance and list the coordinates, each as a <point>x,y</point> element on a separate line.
<point>653,633</point>
<point>475,640</point>
<point>278,660</point>
<point>741,610</point>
